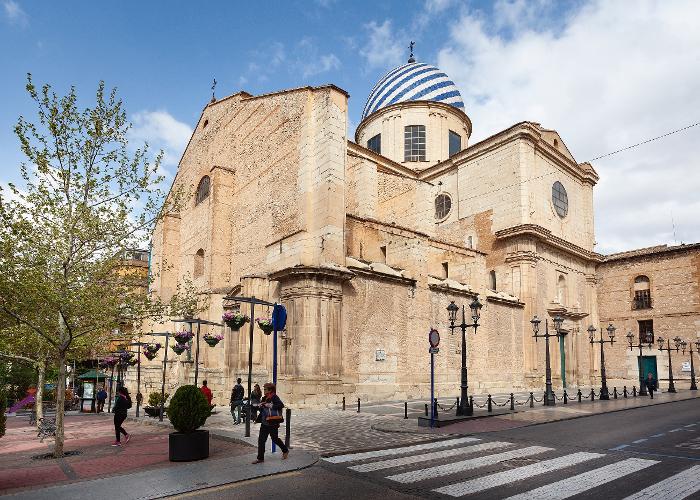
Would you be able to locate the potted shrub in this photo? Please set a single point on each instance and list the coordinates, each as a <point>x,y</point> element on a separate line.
<point>212,340</point>
<point>265,324</point>
<point>188,410</point>
<point>235,320</point>
<point>154,400</point>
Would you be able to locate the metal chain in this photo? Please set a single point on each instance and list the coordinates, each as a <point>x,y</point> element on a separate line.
<point>503,404</point>
<point>537,400</point>
<point>447,409</point>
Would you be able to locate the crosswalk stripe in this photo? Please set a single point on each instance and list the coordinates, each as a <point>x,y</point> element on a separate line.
<point>583,482</point>
<point>464,465</point>
<point>398,451</point>
<point>525,472</point>
<point>676,487</point>
<point>414,459</point>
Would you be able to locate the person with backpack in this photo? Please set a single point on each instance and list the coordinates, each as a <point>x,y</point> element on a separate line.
<point>237,395</point>
<point>121,404</point>
<point>270,418</point>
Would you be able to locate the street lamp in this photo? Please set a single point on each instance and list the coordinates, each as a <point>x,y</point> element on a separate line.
<point>464,408</point>
<point>684,344</point>
<point>642,384</point>
<point>677,343</point>
<point>611,333</point>
<point>549,398</point>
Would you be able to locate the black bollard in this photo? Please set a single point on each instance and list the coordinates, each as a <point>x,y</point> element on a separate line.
<point>634,391</point>
<point>358,405</point>
<point>512,401</point>
<point>288,414</point>
<point>532,400</point>
<point>489,401</point>
<point>566,397</point>
<point>343,403</point>
<point>592,395</point>
<point>405,410</point>
<point>544,398</point>
<point>614,392</point>
<point>471,405</point>
<point>624,391</point>
<point>579,395</point>
<point>435,403</point>
<point>426,409</point>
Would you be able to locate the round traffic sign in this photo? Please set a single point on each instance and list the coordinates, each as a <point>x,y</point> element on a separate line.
<point>434,337</point>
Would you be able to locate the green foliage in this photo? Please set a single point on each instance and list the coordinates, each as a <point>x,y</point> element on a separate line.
<point>154,398</point>
<point>3,407</point>
<point>188,409</point>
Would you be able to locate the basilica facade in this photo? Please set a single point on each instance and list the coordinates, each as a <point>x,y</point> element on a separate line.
<point>366,240</point>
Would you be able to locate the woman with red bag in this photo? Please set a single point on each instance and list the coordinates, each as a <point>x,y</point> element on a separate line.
<point>270,418</point>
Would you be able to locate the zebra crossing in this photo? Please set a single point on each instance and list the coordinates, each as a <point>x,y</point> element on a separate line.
<point>471,466</point>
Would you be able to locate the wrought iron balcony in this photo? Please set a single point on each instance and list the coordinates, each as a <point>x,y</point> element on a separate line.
<point>642,303</point>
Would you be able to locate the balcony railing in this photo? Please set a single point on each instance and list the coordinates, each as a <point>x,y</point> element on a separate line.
<point>644,303</point>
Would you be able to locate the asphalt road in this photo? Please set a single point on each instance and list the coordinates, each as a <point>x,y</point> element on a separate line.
<point>608,456</point>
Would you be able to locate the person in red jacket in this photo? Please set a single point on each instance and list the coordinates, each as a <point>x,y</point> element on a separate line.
<point>206,391</point>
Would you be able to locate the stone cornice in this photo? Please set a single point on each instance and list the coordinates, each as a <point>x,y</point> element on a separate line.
<point>547,236</point>
<point>445,288</point>
<point>372,274</point>
<point>228,170</point>
<point>383,163</point>
<point>560,310</point>
<point>501,300</point>
<point>339,273</point>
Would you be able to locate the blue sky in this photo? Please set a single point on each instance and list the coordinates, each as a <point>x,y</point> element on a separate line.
<point>602,74</point>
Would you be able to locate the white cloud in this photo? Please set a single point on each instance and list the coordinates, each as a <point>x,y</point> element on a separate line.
<point>311,62</point>
<point>162,131</point>
<point>605,76</point>
<point>14,13</point>
<point>383,48</point>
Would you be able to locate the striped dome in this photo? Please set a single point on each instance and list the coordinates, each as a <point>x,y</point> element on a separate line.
<point>413,82</point>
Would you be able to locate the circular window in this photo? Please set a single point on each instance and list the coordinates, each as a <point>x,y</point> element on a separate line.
<point>443,204</point>
<point>559,199</point>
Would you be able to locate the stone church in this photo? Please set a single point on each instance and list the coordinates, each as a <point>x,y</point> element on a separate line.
<point>367,240</point>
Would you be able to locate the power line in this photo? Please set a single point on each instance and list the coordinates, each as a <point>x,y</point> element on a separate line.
<point>645,142</point>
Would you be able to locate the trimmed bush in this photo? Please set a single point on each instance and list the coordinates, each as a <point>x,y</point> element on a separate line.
<point>154,398</point>
<point>188,409</point>
<point>3,408</point>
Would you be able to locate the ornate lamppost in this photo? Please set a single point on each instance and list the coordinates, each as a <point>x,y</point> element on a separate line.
<point>549,397</point>
<point>464,408</point>
<point>640,346</point>
<point>677,343</point>
<point>604,394</point>
<point>684,344</point>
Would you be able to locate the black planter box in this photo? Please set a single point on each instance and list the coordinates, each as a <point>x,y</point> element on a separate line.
<point>152,411</point>
<point>188,447</point>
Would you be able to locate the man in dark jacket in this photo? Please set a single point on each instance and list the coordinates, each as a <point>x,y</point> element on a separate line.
<point>237,395</point>
<point>101,398</point>
<point>651,384</point>
<point>270,407</point>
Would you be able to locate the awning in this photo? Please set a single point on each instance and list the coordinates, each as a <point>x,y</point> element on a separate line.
<point>92,375</point>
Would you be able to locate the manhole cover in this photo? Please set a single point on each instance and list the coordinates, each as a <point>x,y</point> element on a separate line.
<point>49,456</point>
<point>519,462</point>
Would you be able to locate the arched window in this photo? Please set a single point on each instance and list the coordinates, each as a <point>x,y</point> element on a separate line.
<point>198,263</point>
<point>443,205</point>
<point>642,293</point>
<point>561,290</point>
<point>492,280</point>
<point>202,190</point>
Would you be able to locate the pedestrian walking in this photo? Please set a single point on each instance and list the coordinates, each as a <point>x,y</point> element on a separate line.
<point>101,398</point>
<point>206,391</point>
<point>651,384</point>
<point>121,404</point>
<point>237,395</point>
<point>255,398</point>
<point>270,419</point>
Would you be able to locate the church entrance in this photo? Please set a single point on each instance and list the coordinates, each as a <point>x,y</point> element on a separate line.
<point>648,364</point>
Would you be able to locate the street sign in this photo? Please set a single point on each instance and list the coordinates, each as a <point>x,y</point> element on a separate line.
<point>434,337</point>
<point>433,350</point>
<point>685,367</point>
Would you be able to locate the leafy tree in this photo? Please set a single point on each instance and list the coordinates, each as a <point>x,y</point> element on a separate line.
<point>86,198</point>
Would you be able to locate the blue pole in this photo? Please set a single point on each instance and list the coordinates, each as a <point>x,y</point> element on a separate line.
<point>432,390</point>
<point>274,369</point>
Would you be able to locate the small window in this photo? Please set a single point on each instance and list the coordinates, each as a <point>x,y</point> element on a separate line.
<point>455,143</point>
<point>206,122</point>
<point>561,290</point>
<point>414,143</point>
<point>202,190</point>
<point>646,331</point>
<point>492,280</point>
<point>375,144</point>
<point>445,270</point>
<point>443,205</point>
<point>642,293</point>
<point>382,250</point>
<point>198,263</point>
<point>556,143</point>
<point>560,199</point>
<point>470,242</point>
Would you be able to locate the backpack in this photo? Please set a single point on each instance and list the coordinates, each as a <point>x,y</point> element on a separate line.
<point>128,402</point>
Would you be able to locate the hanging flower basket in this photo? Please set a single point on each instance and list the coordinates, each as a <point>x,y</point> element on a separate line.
<point>154,348</point>
<point>132,362</point>
<point>109,362</point>
<point>150,355</point>
<point>179,348</point>
<point>235,320</point>
<point>212,340</point>
<point>183,337</point>
<point>265,324</point>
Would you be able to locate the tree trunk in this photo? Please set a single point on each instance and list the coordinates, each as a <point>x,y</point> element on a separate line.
<point>39,404</point>
<point>60,399</point>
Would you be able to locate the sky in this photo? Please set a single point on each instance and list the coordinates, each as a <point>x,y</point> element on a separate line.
<point>604,74</point>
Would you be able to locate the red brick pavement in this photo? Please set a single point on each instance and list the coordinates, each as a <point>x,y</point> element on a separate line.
<point>92,435</point>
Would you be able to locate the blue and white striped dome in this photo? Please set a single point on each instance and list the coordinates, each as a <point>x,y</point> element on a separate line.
<point>413,82</point>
